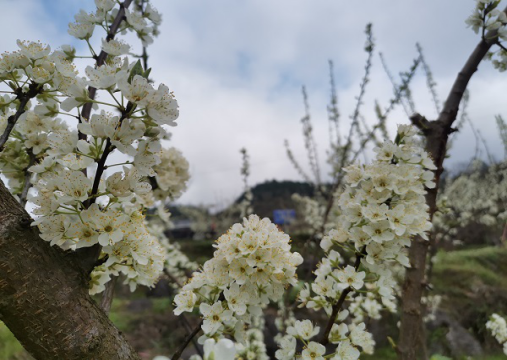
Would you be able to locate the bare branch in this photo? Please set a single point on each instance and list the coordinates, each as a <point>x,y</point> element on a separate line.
<point>310,145</point>
<point>333,113</point>
<point>430,82</point>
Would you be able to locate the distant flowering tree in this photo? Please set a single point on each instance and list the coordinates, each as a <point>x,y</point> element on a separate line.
<point>498,328</point>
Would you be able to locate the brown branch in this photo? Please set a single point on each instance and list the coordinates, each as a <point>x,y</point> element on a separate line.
<point>101,58</point>
<point>185,322</point>
<point>338,305</point>
<point>33,90</point>
<point>189,338</point>
<point>420,122</point>
<point>101,165</point>
<point>173,278</point>
<point>437,134</point>
<point>182,316</point>
<point>87,257</point>
<point>185,343</point>
<point>27,185</point>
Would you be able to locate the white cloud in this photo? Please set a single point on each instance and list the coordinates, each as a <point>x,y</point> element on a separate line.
<point>237,68</point>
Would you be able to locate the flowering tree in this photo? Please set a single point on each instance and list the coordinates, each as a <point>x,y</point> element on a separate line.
<point>90,225</point>
<point>491,22</point>
<point>89,209</point>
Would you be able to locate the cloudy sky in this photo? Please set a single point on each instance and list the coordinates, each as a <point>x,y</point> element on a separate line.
<point>237,68</point>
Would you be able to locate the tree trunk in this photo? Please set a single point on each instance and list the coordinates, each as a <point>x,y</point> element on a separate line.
<point>44,297</point>
<point>437,133</point>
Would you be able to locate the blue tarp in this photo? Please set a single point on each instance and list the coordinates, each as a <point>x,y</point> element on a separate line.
<point>284,216</point>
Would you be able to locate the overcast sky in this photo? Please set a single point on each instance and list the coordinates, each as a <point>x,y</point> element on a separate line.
<point>237,67</point>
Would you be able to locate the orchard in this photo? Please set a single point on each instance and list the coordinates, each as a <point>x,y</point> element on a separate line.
<point>88,173</point>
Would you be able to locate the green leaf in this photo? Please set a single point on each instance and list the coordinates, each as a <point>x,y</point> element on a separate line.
<point>136,70</point>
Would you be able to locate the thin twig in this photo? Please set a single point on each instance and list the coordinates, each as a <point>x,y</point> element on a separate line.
<point>173,278</point>
<point>194,341</point>
<point>120,16</point>
<point>310,145</point>
<point>393,82</point>
<point>27,185</point>
<point>355,119</point>
<point>430,82</point>
<point>332,110</point>
<point>338,305</point>
<point>188,339</point>
<point>101,165</point>
<point>24,98</point>
<point>295,163</point>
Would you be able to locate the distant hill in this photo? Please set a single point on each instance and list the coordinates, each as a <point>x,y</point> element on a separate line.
<point>272,195</point>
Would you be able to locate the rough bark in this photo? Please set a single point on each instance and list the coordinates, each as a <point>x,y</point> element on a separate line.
<point>44,297</point>
<point>437,133</point>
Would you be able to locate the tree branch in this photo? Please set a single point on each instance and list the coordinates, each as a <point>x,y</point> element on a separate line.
<point>24,98</point>
<point>338,305</point>
<point>87,257</point>
<point>185,343</point>
<point>27,185</point>
<point>87,108</point>
<point>437,133</point>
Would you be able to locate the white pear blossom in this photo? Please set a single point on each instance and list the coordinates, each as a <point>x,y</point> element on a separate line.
<point>81,31</point>
<point>313,351</point>
<point>251,266</point>
<point>33,50</point>
<point>185,301</point>
<point>224,349</point>
<point>115,47</point>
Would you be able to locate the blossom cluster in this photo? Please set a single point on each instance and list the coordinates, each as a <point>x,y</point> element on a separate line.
<point>223,349</point>
<point>254,347</point>
<point>177,264</point>
<point>498,327</point>
<point>346,337</point>
<point>80,197</point>
<point>251,266</point>
<point>313,211</point>
<point>382,208</point>
<point>487,17</point>
<point>172,174</point>
<point>144,23</point>
<point>474,197</point>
